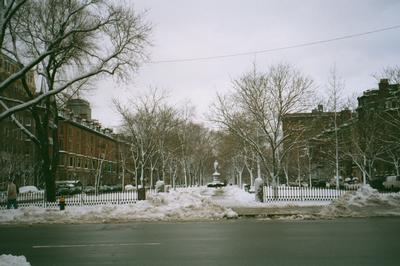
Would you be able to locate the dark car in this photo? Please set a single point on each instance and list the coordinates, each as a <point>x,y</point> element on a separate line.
<point>216,184</point>
<point>68,187</point>
<point>89,190</point>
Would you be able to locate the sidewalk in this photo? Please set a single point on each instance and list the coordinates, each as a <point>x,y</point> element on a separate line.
<point>271,212</point>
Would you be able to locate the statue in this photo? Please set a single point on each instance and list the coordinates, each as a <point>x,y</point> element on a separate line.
<point>215,181</point>
<point>216,166</point>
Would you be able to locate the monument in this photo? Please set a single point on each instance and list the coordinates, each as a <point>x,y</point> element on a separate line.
<point>216,182</point>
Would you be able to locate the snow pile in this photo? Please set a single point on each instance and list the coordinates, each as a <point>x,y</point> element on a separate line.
<point>365,202</point>
<point>232,196</point>
<point>10,260</point>
<point>185,204</point>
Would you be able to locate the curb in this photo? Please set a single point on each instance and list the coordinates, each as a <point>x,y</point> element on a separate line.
<point>272,212</point>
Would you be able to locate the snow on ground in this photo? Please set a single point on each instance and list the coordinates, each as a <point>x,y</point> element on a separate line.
<point>233,196</point>
<point>201,203</point>
<point>365,202</point>
<point>183,205</point>
<point>10,260</point>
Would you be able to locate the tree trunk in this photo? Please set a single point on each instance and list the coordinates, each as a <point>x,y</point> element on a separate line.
<point>185,174</point>
<point>141,174</point>
<point>151,175</point>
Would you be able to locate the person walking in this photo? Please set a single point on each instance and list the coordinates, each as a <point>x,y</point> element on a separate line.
<point>11,195</point>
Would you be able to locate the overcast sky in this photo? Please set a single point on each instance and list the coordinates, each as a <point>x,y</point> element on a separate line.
<point>188,28</point>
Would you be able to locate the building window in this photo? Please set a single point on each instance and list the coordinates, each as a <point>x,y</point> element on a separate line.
<point>61,160</point>
<point>61,144</point>
<point>71,161</point>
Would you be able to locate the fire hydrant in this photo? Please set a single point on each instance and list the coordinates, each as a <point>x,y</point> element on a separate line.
<point>61,203</point>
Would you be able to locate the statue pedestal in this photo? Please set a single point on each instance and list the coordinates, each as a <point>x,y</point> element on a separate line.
<point>216,176</point>
<point>216,182</point>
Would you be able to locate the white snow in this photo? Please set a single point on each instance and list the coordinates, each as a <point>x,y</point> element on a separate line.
<point>183,204</point>
<point>10,260</point>
<point>27,189</point>
<point>365,202</point>
<point>202,203</point>
<point>233,196</point>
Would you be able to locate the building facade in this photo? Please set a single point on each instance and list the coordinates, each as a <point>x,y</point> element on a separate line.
<point>18,155</point>
<point>87,151</point>
<point>368,141</point>
<point>379,129</point>
<point>305,156</point>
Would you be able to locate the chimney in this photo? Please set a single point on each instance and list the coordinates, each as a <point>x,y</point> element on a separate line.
<point>383,84</point>
<point>345,115</point>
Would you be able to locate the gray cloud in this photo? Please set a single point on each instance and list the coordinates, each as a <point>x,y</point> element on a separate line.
<point>185,29</point>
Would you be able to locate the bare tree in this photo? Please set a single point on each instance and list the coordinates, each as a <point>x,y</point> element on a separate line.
<point>255,110</point>
<point>166,141</point>
<point>60,39</point>
<point>392,73</point>
<point>366,145</point>
<point>335,89</point>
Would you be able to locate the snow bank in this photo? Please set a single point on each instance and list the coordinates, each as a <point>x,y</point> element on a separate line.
<point>233,196</point>
<point>365,202</point>
<point>183,205</point>
<point>10,260</point>
<point>202,203</point>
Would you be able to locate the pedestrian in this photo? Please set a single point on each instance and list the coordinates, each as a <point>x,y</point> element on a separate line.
<point>11,195</point>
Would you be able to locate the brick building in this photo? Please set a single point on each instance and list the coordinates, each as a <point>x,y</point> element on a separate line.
<point>87,150</point>
<point>18,155</point>
<point>369,140</point>
<point>379,128</point>
<point>304,160</point>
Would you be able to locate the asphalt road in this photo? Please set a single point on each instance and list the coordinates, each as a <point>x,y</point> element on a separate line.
<point>372,241</point>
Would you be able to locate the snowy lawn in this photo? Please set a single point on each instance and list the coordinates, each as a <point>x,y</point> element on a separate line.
<point>10,260</point>
<point>183,205</point>
<point>201,203</point>
<point>233,196</point>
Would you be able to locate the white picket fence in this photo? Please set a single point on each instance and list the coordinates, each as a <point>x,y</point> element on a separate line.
<point>281,193</point>
<point>38,199</point>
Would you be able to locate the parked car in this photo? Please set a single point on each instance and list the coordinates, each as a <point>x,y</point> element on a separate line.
<point>28,189</point>
<point>29,194</point>
<point>392,182</point>
<point>105,189</point>
<point>68,187</point>
<point>216,184</point>
<point>332,182</point>
<point>116,188</point>
<point>129,187</point>
<point>351,183</point>
<point>89,190</point>
<point>377,183</point>
<point>319,183</point>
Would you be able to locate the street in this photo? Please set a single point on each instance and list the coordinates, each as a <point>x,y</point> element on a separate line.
<point>366,241</point>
